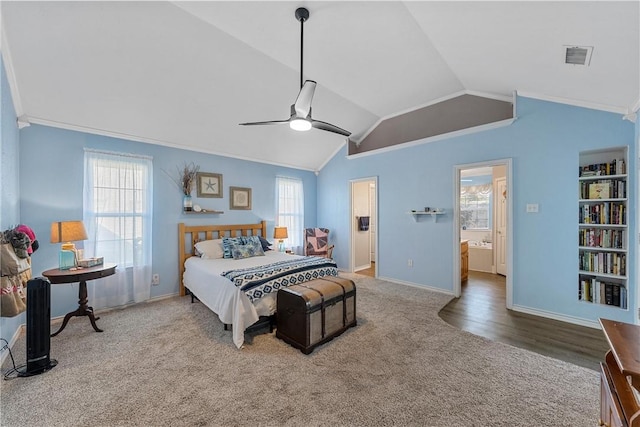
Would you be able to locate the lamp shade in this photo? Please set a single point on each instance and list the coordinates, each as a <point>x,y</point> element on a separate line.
<point>280,233</point>
<point>67,231</point>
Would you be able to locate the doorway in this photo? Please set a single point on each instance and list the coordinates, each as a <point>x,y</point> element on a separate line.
<point>482,211</point>
<point>364,226</point>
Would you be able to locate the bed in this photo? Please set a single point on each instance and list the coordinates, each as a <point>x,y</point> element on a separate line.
<point>240,303</point>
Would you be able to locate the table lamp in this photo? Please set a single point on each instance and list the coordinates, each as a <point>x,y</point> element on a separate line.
<point>280,233</point>
<point>66,232</point>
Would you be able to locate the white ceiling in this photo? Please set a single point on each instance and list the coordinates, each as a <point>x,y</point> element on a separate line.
<point>184,74</point>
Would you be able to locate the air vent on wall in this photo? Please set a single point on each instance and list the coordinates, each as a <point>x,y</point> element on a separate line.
<point>577,55</point>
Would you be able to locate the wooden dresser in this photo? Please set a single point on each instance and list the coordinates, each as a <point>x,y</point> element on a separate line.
<point>620,373</point>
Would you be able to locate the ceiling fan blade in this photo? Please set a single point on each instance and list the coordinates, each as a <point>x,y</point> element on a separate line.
<point>329,127</point>
<point>271,122</point>
<point>303,101</point>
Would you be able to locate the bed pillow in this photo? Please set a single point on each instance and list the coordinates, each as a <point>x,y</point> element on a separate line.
<point>227,242</point>
<point>257,240</point>
<point>266,245</point>
<point>250,249</point>
<point>210,249</point>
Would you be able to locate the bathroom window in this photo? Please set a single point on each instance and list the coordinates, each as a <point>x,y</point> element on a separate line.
<point>475,207</point>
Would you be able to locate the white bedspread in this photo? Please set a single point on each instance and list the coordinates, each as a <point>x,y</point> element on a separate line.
<point>202,277</point>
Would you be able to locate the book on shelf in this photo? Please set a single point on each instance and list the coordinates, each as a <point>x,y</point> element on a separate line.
<point>596,291</point>
<point>615,167</point>
<point>615,290</point>
<point>599,190</point>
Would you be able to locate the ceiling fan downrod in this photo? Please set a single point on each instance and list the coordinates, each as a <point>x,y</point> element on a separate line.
<point>302,15</point>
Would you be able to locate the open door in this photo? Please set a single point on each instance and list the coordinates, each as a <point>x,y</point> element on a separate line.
<point>501,226</point>
<point>364,213</point>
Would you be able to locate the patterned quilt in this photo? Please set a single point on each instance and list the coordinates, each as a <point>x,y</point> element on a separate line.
<point>256,282</point>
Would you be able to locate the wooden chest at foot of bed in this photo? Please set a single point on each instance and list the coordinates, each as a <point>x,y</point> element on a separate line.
<point>315,312</point>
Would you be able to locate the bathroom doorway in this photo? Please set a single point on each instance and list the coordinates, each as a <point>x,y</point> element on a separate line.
<point>364,226</point>
<point>482,229</point>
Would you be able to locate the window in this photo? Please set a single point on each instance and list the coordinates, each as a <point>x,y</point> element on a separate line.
<point>118,206</point>
<point>475,206</point>
<point>290,210</point>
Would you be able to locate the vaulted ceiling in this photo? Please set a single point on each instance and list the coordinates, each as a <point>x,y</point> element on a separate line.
<point>184,74</point>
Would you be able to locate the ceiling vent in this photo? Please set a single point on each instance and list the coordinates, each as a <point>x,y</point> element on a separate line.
<point>577,55</point>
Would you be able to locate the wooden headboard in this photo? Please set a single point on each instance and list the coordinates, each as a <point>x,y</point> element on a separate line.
<point>189,235</point>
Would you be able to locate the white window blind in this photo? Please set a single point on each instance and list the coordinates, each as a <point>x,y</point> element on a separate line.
<point>118,204</point>
<point>290,210</point>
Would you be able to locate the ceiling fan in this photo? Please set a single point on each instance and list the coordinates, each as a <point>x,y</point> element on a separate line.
<point>301,119</point>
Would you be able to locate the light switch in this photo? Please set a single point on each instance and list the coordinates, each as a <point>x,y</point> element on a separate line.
<point>532,207</point>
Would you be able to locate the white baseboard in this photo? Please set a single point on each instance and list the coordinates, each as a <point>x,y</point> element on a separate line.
<point>416,285</point>
<point>556,316</point>
<point>12,341</point>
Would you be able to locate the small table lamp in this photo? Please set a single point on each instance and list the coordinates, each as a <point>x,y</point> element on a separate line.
<point>66,232</point>
<point>280,233</point>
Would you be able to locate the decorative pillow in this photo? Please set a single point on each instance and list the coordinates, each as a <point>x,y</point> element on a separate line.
<point>317,240</point>
<point>248,250</point>
<point>211,249</point>
<point>227,242</point>
<point>266,245</point>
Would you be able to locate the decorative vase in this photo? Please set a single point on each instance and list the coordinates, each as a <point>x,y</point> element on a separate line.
<point>187,203</point>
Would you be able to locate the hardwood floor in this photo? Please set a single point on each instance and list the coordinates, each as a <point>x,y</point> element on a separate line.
<point>481,310</point>
<point>371,271</point>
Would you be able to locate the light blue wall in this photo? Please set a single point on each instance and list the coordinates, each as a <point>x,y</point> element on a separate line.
<point>51,175</point>
<point>9,170</point>
<point>544,143</point>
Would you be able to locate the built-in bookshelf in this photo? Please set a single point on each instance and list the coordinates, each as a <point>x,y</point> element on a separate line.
<point>602,227</point>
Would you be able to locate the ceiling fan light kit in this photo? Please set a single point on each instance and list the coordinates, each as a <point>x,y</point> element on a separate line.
<point>300,118</point>
<point>300,124</point>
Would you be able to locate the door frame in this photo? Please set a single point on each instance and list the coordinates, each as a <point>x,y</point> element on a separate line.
<point>508,163</point>
<point>352,222</point>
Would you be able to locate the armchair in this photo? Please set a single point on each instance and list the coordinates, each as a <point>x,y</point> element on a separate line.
<point>316,242</point>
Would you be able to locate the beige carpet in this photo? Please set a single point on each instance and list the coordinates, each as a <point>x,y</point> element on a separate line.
<point>170,363</point>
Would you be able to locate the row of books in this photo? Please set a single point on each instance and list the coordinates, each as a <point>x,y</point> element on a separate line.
<point>603,213</point>
<point>602,238</point>
<point>593,290</point>
<point>615,167</point>
<point>603,189</point>
<point>603,262</point>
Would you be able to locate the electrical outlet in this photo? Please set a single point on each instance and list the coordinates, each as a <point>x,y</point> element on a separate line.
<point>410,262</point>
<point>155,279</point>
<point>532,207</point>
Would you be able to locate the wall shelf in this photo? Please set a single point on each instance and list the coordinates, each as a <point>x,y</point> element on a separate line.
<point>433,214</point>
<point>207,212</point>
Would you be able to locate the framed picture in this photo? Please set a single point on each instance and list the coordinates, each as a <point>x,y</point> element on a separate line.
<point>209,184</point>
<point>240,198</point>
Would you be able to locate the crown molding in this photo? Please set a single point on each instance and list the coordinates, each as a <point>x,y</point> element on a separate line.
<point>574,102</point>
<point>337,150</point>
<point>11,74</point>
<point>128,137</point>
